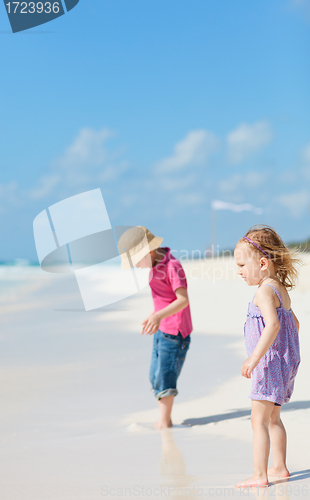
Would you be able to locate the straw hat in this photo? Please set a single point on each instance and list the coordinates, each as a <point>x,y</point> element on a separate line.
<point>136,243</point>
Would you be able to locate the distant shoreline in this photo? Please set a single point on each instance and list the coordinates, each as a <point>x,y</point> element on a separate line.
<point>207,254</point>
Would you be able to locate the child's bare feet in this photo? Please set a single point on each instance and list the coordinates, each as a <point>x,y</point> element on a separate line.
<point>253,482</point>
<point>278,472</point>
<point>163,425</point>
<point>165,407</point>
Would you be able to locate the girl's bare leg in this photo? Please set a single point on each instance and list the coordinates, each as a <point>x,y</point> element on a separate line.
<point>260,417</point>
<point>278,445</point>
<point>165,407</point>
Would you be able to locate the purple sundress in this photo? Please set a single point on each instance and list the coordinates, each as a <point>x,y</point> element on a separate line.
<point>274,376</point>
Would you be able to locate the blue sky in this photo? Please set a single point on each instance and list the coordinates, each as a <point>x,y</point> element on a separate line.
<point>165,106</point>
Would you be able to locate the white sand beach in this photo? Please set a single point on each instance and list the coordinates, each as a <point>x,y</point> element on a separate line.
<point>77,413</point>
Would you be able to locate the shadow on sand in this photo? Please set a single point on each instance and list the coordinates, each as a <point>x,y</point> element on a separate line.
<point>296,405</point>
<point>295,476</point>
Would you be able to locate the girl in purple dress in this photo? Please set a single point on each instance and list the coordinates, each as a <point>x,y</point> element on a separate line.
<point>272,344</point>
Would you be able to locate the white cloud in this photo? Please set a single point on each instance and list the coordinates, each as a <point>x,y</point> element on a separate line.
<point>8,190</point>
<point>296,202</point>
<point>193,150</point>
<point>111,172</point>
<point>87,150</point>
<point>240,207</point>
<point>129,200</point>
<point>249,180</point>
<point>247,139</point>
<point>300,171</point>
<point>303,6</point>
<point>45,186</point>
<point>86,160</point>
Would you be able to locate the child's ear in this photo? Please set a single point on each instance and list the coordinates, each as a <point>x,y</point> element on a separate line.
<point>264,263</point>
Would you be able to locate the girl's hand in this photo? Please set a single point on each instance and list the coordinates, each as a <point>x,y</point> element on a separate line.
<point>151,324</point>
<point>248,366</point>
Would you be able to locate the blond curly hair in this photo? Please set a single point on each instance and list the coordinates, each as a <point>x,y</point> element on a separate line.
<point>284,259</point>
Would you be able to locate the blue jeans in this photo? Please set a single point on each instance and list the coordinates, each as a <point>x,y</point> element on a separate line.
<point>168,356</point>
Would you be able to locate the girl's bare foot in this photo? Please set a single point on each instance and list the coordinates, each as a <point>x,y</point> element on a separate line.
<point>163,425</point>
<point>278,472</point>
<point>254,482</point>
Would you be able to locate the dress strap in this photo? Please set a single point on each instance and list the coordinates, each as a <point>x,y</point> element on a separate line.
<point>276,292</point>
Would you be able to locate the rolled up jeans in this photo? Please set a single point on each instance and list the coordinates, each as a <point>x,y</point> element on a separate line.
<point>168,356</point>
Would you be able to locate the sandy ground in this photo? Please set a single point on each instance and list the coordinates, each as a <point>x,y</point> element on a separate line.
<point>76,410</point>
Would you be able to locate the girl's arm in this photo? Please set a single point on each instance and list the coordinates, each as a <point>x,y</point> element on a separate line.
<point>151,324</point>
<point>296,321</point>
<point>265,299</point>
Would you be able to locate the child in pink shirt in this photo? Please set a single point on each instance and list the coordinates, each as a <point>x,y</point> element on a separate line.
<point>170,322</point>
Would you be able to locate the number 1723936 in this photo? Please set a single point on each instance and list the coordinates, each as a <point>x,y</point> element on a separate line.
<point>32,7</point>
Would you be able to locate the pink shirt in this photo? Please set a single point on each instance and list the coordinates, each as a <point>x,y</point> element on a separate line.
<point>165,278</point>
